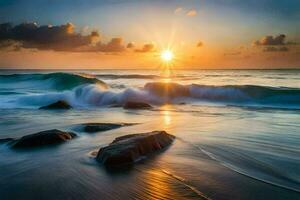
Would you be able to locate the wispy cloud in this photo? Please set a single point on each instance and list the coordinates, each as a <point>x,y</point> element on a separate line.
<point>275,49</point>
<point>199,44</point>
<point>146,48</point>
<point>130,45</point>
<point>114,45</point>
<point>188,12</point>
<point>233,53</point>
<point>191,13</point>
<point>178,10</point>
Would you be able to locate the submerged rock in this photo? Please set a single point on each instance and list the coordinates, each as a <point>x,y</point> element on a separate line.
<point>97,127</point>
<point>43,138</point>
<point>136,105</point>
<point>130,148</point>
<point>57,105</point>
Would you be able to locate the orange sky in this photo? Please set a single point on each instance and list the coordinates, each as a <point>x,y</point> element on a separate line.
<point>193,57</point>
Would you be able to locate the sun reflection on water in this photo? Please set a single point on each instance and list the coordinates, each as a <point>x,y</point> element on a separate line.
<point>166,80</point>
<point>166,117</point>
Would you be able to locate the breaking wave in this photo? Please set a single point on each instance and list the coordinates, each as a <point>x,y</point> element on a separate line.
<point>52,81</point>
<point>126,76</point>
<point>86,91</point>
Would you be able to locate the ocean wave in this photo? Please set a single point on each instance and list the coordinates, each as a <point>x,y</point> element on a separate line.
<point>227,75</point>
<point>143,76</point>
<point>126,76</point>
<point>55,81</point>
<point>253,168</point>
<point>158,93</point>
<point>244,94</point>
<point>152,76</point>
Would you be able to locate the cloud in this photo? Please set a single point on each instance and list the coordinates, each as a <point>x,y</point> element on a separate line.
<point>233,53</point>
<point>130,45</point>
<point>275,49</point>
<point>273,40</point>
<point>10,45</point>
<point>56,38</point>
<point>199,44</point>
<point>178,10</point>
<point>114,45</point>
<point>191,13</point>
<point>185,11</point>
<point>291,43</point>
<point>283,49</point>
<point>146,48</point>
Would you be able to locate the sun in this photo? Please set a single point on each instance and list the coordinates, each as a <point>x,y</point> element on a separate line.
<point>167,55</point>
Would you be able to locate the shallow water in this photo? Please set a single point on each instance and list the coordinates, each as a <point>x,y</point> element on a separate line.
<point>244,146</point>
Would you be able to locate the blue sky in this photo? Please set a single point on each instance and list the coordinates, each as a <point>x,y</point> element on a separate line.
<point>113,16</point>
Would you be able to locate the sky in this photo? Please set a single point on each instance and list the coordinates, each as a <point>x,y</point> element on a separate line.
<point>131,34</point>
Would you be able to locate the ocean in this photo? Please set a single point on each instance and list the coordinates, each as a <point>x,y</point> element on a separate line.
<point>237,134</point>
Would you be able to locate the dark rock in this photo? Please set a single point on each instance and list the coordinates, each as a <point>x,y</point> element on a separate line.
<point>57,105</point>
<point>97,127</point>
<point>43,138</point>
<point>130,148</point>
<point>136,105</point>
<point>4,140</point>
<point>115,105</point>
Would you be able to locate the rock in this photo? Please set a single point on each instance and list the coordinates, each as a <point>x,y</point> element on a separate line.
<point>130,148</point>
<point>136,105</point>
<point>116,106</point>
<point>57,105</point>
<point>43,138</point>
<point>97,127</point>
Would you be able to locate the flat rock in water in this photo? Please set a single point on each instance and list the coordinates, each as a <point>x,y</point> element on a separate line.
<point>57,105</point>
<point>98,127</point>
<point>43,138</point>
<point>130,148</point>
<point>136,105</point>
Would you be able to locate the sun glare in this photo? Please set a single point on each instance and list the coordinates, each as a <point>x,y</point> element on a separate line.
<point>167,55</point>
